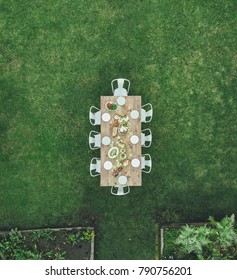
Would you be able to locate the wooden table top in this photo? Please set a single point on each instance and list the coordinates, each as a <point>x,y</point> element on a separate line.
<point>132,151</point>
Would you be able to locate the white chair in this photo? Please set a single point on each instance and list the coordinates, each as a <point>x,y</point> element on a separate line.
<point>146,137</point>
<point>146,113</point>
<point>94,115</point>
<point>95,167</point>
<point>120,190</point>
<point>94,140</point>
<point>120,87</point>
<point>146,163</point>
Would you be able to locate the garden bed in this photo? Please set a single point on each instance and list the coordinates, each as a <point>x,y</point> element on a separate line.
<point>213,240</point>
<point>168,234</point>
<point>75,243</point>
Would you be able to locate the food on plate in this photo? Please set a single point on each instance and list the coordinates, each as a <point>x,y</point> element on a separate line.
<point>117,170</point>
<point>125,118</point>
<point>124,125</point>
<point>114,131</point>
<point>115,173</point>
<point>115,128</point>
<point>113,152</point>
<point>116,123</point>
<point>118,163</point>
<point>120,168</point>
<point>111,106</point>
<point>125,163</point>
<point>123,156</point>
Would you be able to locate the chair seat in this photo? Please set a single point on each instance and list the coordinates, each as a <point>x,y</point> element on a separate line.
<point>120,190</point>
<point>146,137</point>
<point>94,140</point>
<point>95,167</point>
<point>94,115</point>
<point>143,115</point>
<point>98,166</point>
<point>146,162</point>
<point>120,92</point>
<point>97,140</point>
<point>146,113</point>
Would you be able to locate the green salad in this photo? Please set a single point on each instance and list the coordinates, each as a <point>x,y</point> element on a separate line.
<point>113,152</point>
<point>111,106</point>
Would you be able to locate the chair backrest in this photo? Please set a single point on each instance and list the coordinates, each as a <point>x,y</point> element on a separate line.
<point>146,162</point>
<point>120,190</point>
<point>146,137</point>
<point>94,140</point>
<point>95,167</point>
<point>94,115</point>
<point>146,113</point>
<point>120,87</point>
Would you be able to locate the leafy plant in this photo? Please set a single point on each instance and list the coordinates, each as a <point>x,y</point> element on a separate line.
<point>50,255</point>
<point>60,256</point>
<point>10,244</point>
<point>26,254</point>
<point>15,237</point>
<point>218,241</point>
<point>45,234</point>
<point>193,239</point>
<point>86,235</point>
<point>73,238</point>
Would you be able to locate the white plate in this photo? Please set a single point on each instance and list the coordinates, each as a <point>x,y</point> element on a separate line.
<point>108,165</point>
<point>134,114</point>
<point>106,140</point>
<point>134,139</point>
<point>121,100</point>
<point>106,117</point>
<point>122,180</point>
<point>135,162</point>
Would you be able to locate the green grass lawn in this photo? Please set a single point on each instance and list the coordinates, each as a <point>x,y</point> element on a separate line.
<point>57,59</point>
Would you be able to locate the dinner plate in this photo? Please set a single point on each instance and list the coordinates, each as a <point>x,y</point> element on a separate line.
<point>108,165</point>
<point>135,162</point>
<point>106,140</point>
<point>122,180</point>
<point>121,100</point>
<point>106,117</point>
<point>134,139</point>
<point>134,114</point>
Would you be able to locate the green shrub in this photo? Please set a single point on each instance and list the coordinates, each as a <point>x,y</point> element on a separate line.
<point>215,242</point>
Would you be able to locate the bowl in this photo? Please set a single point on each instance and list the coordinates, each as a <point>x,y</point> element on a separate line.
<point>111,106</point>
<point>113,152</point>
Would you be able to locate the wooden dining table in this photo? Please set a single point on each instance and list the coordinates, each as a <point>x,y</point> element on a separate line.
<point>132,151</point>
